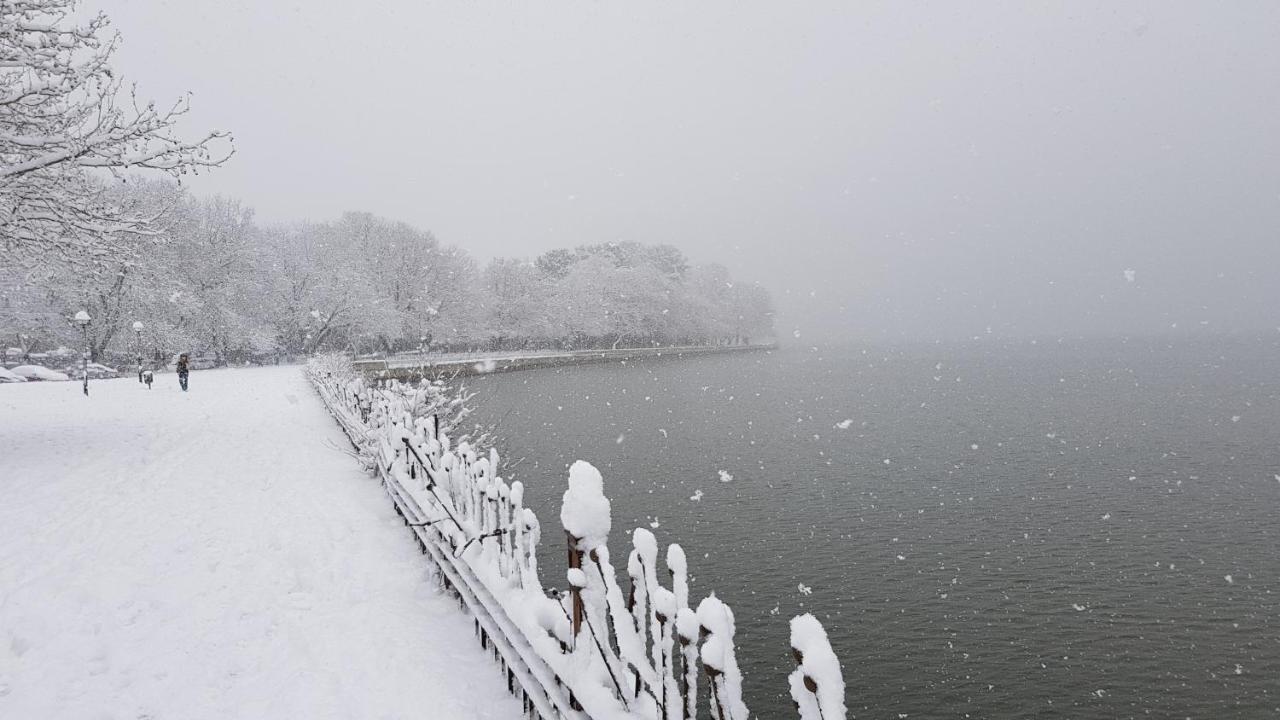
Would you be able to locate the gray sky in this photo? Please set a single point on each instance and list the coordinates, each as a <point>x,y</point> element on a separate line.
<point>887,169</point>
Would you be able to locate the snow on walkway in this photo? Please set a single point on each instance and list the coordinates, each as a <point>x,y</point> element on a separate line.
<point>214,554</point>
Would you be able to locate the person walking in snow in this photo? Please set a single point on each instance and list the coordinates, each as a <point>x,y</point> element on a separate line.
<point>183,371</point>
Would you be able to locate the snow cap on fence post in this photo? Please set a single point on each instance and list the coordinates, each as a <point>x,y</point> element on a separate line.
<point>646,546</point>
<point>532,535</point>
<point>687,626</point>
<point>719,657</point>
<point>817,685</point>
<point>679,567</point>
<point>585,511</point>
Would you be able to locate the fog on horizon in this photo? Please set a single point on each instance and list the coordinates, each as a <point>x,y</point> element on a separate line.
<point>888,170</point>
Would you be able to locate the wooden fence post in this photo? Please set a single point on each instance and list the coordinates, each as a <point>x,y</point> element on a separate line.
<point>575,562</point>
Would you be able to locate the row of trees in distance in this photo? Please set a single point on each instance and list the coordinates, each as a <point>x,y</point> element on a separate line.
<point>214,282</point>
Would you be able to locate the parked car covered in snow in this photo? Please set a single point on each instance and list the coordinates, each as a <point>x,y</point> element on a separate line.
<point>39,372</point>
<point>98,371</point>
<point>8,376</point>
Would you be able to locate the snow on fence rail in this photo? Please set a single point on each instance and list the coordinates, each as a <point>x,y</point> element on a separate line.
<point>597,651</point>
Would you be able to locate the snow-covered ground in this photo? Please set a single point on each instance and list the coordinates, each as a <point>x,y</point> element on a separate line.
<point>213,554</point>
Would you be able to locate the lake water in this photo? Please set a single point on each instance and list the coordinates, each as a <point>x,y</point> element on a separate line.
<point>1084,529</point>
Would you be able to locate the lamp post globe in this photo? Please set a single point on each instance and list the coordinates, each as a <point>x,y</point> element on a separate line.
<point>82,319</point>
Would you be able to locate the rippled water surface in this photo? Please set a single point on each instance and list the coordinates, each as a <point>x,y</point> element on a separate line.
<point>1058,529</point>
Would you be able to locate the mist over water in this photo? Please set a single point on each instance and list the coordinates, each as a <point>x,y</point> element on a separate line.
<point>888,170</point>
<point>1066,529</point>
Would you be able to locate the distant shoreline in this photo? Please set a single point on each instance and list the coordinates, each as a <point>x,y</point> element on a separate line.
<point>407,368</point>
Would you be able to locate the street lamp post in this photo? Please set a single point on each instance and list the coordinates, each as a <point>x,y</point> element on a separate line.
<point>137,328</point>
<point>82,319</point>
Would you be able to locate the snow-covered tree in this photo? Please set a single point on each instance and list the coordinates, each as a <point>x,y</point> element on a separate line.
<point>576,300</point>
<point>516,297</point>
<point>68,131</point>
<point>454,304</point>
<point>638,300</point>
<point>751,311</point>
<point>707,301</point>
<point>394,257</point>
<point>40,299</point>
<point>210,252</point>
<point>307,300</point>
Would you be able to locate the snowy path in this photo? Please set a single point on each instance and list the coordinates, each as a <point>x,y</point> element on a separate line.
<point>213,554</point>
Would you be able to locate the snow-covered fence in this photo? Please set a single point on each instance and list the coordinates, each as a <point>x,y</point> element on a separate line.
<point>592,652</point>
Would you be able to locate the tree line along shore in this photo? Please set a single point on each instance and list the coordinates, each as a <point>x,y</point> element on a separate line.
<point>218,285</point>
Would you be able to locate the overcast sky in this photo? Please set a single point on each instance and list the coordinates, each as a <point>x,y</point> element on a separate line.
<point>888,169</point>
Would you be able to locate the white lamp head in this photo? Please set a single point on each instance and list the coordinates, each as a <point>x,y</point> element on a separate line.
<point>82,318</point>
<point>137,326</point>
